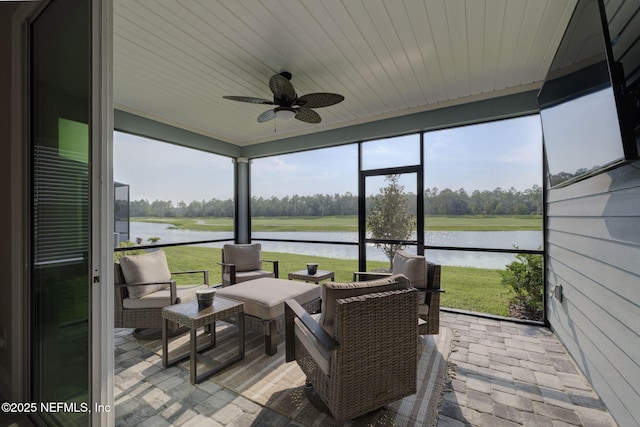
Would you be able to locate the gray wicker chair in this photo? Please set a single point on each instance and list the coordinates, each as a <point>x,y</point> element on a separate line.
<point>423,275</point>
<point>150,286</point>
<point>243,262</point>
<point>360,353</point>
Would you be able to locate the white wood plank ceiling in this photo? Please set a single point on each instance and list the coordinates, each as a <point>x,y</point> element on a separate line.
<point>175,59</point>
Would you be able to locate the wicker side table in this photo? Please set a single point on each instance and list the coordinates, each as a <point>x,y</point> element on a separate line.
<point>187,314</point>
<point>315,278</point>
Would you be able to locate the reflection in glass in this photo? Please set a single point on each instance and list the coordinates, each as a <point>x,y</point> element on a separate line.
<point>583,133</point>
<point>579,138</point>
<point>60,176</point>
<point>121,213</point>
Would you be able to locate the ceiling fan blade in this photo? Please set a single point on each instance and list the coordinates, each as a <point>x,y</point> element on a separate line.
<point>282,88</point>
<point>307,115</point>
<point>249,99</point>
<point>266,116</point>
<point>320,99</point>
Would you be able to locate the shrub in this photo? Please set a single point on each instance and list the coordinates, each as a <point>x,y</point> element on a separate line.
<point>524,275</point>
<point>126,244</point>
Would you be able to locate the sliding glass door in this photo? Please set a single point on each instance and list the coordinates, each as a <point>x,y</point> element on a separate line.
<point>60,211</point>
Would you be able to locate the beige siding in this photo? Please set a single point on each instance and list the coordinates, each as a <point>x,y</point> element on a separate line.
<point>593,244</point>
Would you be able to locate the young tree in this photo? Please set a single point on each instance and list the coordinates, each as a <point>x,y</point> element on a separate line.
<point>389,217</point>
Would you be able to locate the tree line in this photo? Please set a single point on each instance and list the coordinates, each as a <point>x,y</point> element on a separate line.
<point>437,202</point>
<point>496,202</point>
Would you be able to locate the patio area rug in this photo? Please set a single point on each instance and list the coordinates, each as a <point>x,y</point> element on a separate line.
<point>279,386</point>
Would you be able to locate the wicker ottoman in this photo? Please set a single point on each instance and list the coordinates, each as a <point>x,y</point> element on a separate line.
<point>264,304</point>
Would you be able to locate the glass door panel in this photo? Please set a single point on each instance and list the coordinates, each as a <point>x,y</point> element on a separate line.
<point>60,211</point>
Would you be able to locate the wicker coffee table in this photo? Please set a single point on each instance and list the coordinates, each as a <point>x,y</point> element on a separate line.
<point>187,314</point>
<point>315,278</point>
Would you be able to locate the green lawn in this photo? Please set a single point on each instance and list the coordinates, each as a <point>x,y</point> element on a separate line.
<point>473,289</point>
<point>484,222</point>
<point>350,223</point>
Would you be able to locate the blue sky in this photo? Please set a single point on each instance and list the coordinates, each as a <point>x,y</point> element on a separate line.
<point>503,154</point>
<point>157,170</point>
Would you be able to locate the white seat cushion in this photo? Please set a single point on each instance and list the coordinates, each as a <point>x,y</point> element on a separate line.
<point>264,298</point>
<point>162,298</point>
<point>151,267</point>
<point>246,257</point>
<point>412,266</point>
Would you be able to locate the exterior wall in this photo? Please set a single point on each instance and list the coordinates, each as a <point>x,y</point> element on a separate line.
<point>593,252</point>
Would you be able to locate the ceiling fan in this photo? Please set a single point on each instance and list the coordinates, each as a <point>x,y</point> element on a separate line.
<point>289,105</point>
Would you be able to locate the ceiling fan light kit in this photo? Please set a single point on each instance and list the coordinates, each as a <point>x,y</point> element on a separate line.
<point>289,105</point>
<point>285,113</point>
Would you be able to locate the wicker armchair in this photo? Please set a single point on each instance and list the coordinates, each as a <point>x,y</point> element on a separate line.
<point>360,353</point>
<point>423,275</point>
<point>143,285</point>
<point>243,262</point>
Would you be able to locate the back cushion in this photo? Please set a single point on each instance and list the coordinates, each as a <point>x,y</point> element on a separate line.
<point>412,266</point>
<point>246,257</point>
<point>151,267</point>
<point>333,291</point>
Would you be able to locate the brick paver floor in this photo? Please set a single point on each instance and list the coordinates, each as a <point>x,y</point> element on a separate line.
<point>503,374</point>
<point>510,374</point>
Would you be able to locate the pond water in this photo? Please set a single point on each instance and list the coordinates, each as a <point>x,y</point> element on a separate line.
<point>481,239</point>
